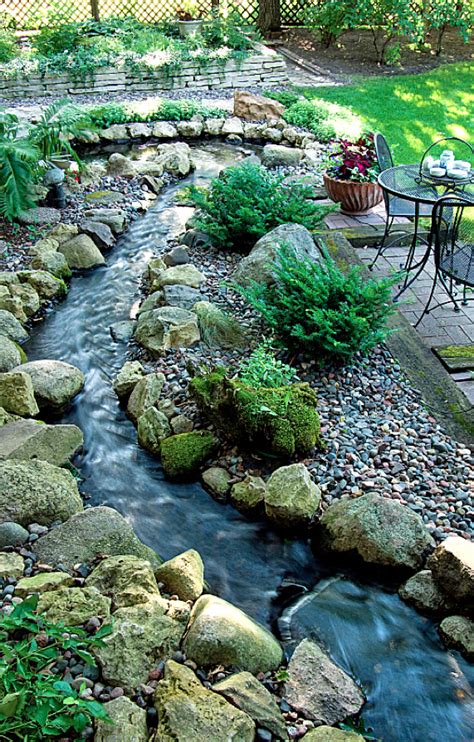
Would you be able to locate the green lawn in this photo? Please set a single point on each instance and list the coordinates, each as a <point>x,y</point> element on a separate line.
<point>411,111</point>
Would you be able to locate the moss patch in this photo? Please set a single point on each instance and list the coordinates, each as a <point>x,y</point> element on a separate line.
<point>182,455</point>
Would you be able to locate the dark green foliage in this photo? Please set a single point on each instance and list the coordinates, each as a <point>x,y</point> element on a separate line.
<point>58,122</point>
<point>247,201</point>
<point>285,97</point>
<point>168,110</point>
<point>317,308</point>
<point>35,704</point>
<point>8,47</point>
<point>315,116</point>
<point>18,158</point>
<point>182,455</point>
<point>281,421</point>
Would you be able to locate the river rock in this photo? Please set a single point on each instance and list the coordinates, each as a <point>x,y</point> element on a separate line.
<point>11,328</point>
<point>82,253</point>
<point>176,256</point>
<point>143,635</point>
<point>179,275</point>
<point>44,582</point>
<point>45,284</point>
<point>152,428</point>
<point>115,133</point>
<point>8,278</point>
<point>331,734</point>
<point>381,531</point>
<point>99,232</point>
<point>291,497</point>
<point>181,424</point>
<point>127,378</point>
<point>163,130</point>
<point>180,296</point>
<point>121,332</point>
<point>252,107</point>
<point>183,575</point>
<point>233,125</point>
<point>120,166</point>
<point>28,296</point>
<point>12,304</point>
<point>188,711</point>
<point>318,689</point>
<point>11,565</point>
<point>10,354</point>
<point>40,215</point>
<point>17,393</point>
<point>458,632</point>
<point>54,263</point>
<point>126,579</point>
<point>37,492</point>
<point>116,219</point>
<point>217,481</point>
<point>73,605</point>
<point>277,155</point>
<point>189,128</point>
<point>63,232</point>
<point>167,327</point>
<point>422,591</point>
<point>175,158</point>
<point>259,264</point>
<point>128,722</point>
<point>12,534</point>
<point>55,383</point>
<point>145,394</point>
<point>452,565</point>
<point>249,695</point>
<point>153,301</point>
<point>213,126</point>
<point>83,537</point>
<point>219,633</point>
<point>28,439</point>
<point>249,494</point>
<point>182,455</point>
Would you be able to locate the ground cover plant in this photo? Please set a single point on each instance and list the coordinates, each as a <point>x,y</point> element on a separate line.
<point>247,201</point>
<point>107,114</point>
<point>35,703</point>
<point>320,310</point>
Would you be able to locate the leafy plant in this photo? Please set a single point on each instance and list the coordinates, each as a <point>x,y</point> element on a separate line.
<point>355,161</point>
<point>388,21</point>
<point>189,10</point>
<point>247,201</point>
<point>8,47</point>
<point>444,14</point>
<point>34,703</point>
<point>59,122</point>
<point>18,158</point>
<point>218,329</point>
<point>262,368</point>
<point>320,310</point>
<point>285,97</point>
<point>329,18</point>
<point>316,116</point>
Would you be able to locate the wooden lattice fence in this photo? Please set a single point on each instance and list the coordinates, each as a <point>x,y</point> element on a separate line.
<point>29,14</point>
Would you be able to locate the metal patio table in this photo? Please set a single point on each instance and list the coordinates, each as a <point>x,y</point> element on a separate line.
<point>404,181</point>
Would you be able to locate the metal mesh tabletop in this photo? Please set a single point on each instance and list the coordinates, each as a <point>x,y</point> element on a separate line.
<point>403,181</point>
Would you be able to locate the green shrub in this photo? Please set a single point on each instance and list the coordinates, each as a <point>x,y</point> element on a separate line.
<point>315,116</point>
<point>108,114</point>
<point>329,18</point>
<point>261,368</point>
<point>18,161</point>
<point>444,14</point>
<point>247,201</point>
<point>285,97</point>
<point>280,421</point>
<point>35,703</point>
<point>322,311</point>
<point>8,47</point>
<point>53,40</point>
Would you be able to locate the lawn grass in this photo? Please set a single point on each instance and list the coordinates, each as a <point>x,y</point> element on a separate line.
<point>412,111</point>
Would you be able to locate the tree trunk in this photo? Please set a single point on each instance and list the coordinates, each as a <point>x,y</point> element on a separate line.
<point>95,9</point>
<point>269,18</point>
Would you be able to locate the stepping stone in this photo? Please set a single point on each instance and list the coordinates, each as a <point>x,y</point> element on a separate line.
<point>456,357</point>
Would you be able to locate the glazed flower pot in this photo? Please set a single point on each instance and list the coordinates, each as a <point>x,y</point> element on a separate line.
<point>355,198</point>
<point>189,28</point>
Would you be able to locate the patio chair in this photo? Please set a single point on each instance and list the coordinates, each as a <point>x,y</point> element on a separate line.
<point>394,206</point>
<point>452,236</point>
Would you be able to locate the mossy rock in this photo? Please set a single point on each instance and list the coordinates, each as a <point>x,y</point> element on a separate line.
<point>282,421</point>
<point>182,455</point>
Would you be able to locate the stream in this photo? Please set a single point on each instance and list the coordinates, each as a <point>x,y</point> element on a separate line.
<point>416,690</point>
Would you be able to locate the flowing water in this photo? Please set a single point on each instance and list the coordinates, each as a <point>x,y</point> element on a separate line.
<point>417,692</point>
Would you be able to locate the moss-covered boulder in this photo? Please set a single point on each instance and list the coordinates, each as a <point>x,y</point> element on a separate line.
<point>17,393</point>
<point>11,354</point>
<point>182,455</point>
<point>126,579</point>
<point>291,498</point>
<point>73,605</point>
<point>282,421</point>
<point>44,582</point>
<point>127,722</point>
<point>248,494</point>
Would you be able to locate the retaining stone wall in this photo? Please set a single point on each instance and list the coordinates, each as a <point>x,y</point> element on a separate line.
<point>263,67</point>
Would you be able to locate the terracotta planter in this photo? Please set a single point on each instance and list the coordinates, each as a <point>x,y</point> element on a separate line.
<point>355,198</point>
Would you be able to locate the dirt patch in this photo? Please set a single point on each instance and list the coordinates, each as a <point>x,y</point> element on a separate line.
<point>354,53</point>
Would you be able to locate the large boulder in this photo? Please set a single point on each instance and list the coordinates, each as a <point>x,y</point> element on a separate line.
<point>116,219</point>
<point>127,378</point>
<point>277,155</point>
<point>11,354</point>
<point>259,264</point>
<point>175,158</point>
<point>248,694</point>
<point>73,605</point>
<point>189,128</point>
<point>37,492</point>
<point>121,166</point>
<point>28,439</point>
<point>422,591</point>
<point>188,711</point>
<point>318,689</point>
<point>127,722</point>
<point>145,394</point>
<point>291,497</point>
<point>28,296</point>
<point>458,632</point>
<point>452,565</point>
<point>167,327</point>
<point>53,262</point>
<point>252,107</point>
<point>182,455</point>
<point>45,284</point>
<point>55,383</point>
<point>17,394</point>
<point>152,428</point>
<point>220,633</point>
<point>82,253</point>
<point>126,579</point>
<point>11,328</point>
<point>143,635</point>
<point>183,575</point>
<point>381,531</point>
<point>86,535</point>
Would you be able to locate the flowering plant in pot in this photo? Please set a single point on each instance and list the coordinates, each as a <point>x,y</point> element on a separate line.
<point>189,17</point>
<point>351,175</point>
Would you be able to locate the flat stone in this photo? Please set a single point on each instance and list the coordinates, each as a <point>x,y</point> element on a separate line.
<point>183,575</point>
<point>28,440</point>
<point>277,155</point>
<point>163,130</point>
<point>17,393</point>
<point>126,579</point>
<point>180,296</point>
<point>43,583</point>
<point>232,125</point>
<point>99,232</point>
<point>115,133</point>
<point>128,722</point>
<point>11,565</point>
<point>116,219</point>
<point>318,689</point>
<point>248,694</point>
<point>40,215</point>
<point>55,383</point>
<point>139,131</point>
<point>180,275</point>
<point>73,605</point>
<point>331,734</point>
